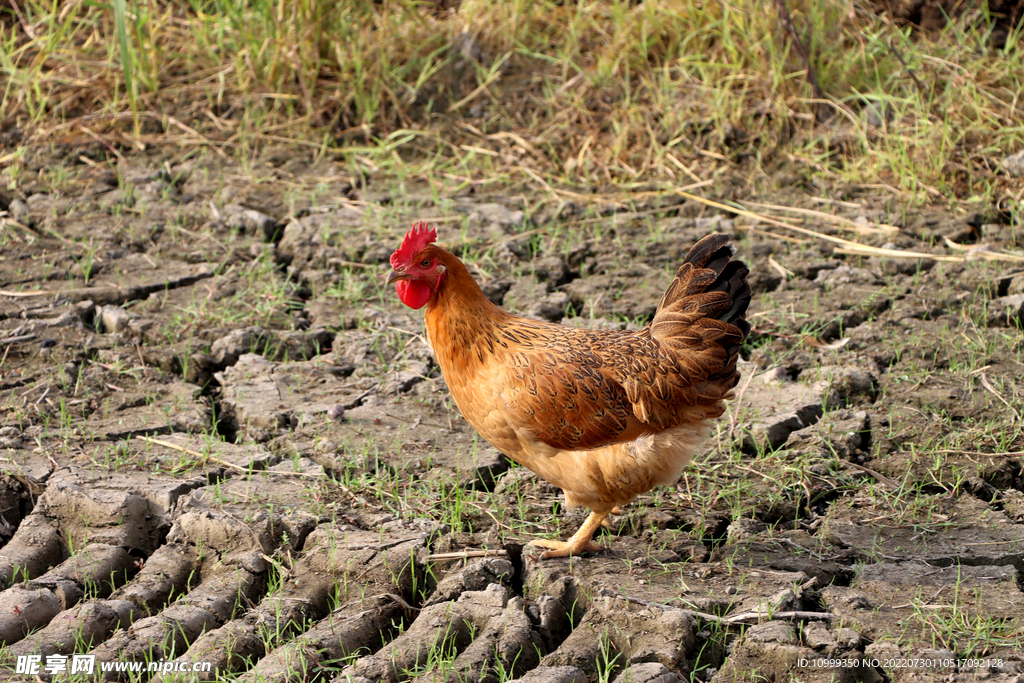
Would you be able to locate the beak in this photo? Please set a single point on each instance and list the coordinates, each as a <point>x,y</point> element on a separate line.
<point>395,276</point>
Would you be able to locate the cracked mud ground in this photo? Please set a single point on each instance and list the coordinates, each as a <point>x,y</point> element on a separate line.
<point>224,440</point>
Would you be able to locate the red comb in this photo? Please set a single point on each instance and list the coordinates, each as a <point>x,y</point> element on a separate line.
<point>420,236</point>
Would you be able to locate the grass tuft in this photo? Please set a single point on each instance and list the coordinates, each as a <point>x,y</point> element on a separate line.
<point>662,93</point>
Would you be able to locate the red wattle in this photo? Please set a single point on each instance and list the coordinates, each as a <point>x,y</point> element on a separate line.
<point>413,293</point>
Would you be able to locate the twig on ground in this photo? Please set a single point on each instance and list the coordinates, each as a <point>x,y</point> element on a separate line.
<point>789,616</point>
<point>877,475</point>
<point>736,618</point>
<point>871,229</point>
<point>467,554</point>
<point>849,246</point>
<point>15,340</point>
<point>988,386</point>
<point>896,53</point>
<point>201,139</point>
<point>197,454</point>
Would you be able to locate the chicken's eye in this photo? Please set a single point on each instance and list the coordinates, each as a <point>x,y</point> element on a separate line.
<point>425,263</point>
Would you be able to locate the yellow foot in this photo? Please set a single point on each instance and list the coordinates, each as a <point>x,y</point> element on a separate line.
<point>576,545</point>
<point>563,548</point>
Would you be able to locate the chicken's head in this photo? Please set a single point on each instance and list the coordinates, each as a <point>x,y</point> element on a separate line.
<point>415,271</point>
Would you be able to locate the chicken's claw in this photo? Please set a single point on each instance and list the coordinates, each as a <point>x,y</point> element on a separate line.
<point>563,548</point>
<point>577,544</point>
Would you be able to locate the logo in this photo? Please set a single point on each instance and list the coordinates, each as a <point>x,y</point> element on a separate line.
<point>32,665</point>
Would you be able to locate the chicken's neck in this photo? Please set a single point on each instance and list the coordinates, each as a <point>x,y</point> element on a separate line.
<point>460,321</point>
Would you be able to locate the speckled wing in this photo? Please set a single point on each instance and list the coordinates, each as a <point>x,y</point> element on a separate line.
<point>579,389</point>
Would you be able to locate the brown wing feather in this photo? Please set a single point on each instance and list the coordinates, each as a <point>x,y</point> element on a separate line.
<point>581,389</point>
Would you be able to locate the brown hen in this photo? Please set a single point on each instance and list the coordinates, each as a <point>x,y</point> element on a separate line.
<point>604,416</point>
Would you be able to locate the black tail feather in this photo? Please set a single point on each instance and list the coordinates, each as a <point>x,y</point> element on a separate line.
<point>715,253</point>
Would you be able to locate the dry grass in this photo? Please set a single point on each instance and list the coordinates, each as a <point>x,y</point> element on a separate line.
<point>656,94</point>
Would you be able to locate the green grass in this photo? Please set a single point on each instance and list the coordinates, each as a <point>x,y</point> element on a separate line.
<point>612,95</point>
<point>963,625</point>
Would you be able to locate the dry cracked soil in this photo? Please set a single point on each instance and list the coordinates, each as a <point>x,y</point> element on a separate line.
<point>223,440</point>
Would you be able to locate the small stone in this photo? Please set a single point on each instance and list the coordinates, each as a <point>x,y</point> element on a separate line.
<point>877,114</point>
<point>1006,310</point>
<point>845,275</point>
<point>495,290</point>
<point>431,527</point>
<point>551,269</point>
<point>154,189</point>
<point>336,413</point>
<point>86,310</point>
<point>817,636</point>
<point>326,447</point>
<point>227,350</point>
<point>114,319</point>
<point>465,45</point>
<point>141,176</point>
<point>744,528</point>
<point>771,632</point>
<point>1014,164</point>
<point>1015,285</point>
<point>552,307</point>
<point>707,223</point>
<point>498,218</point>
<point>847,638</point>
<point>648,672</point>
<point>553,674</point>
<point>250,221</point>
<point>119,197</point>
<point>882,650</point>
<point>19,210</point>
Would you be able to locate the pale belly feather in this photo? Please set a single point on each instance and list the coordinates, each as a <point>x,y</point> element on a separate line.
<point>600,478</point>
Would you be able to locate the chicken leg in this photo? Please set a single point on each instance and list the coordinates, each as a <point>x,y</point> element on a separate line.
<point>617,510</point>
<point>579,542</point>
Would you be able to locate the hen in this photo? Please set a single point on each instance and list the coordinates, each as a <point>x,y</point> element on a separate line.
<point>603,415</point>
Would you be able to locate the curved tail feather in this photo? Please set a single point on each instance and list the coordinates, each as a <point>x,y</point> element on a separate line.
<point>702,313</point>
